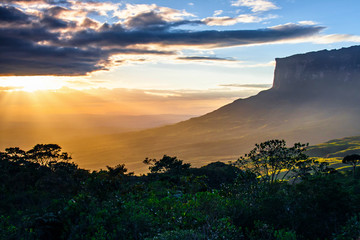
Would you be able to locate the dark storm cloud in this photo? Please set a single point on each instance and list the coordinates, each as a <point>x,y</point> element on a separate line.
<point>112,37</point>
<point>55,11</point>
<point>35,34</point>
<point>147,20</point>
<point>10,14</point>
<point>88,23</point>
<point>54,2</point>
<point>54,23</point>
<point>196,58</point>
<point>45,43</point>
<point>139,51</point>
<point>152,21</point>
<point>22,57</point>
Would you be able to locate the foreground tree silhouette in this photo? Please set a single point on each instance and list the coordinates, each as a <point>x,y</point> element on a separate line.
<point>13,154</point>
<point>353,160</point>
<point>272,160</point>
<point>166,164</point>
<point>44,154</point>
<point>118,171</point>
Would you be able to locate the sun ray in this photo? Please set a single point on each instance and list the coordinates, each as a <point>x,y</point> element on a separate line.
<point>32,83</point>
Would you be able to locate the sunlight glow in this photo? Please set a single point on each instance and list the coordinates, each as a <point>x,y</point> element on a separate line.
<point>32,83</point>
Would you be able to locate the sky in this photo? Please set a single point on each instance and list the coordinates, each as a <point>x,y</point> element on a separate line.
<point>156,57</point>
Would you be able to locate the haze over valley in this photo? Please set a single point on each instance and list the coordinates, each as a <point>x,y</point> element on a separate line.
<point>117,82</point>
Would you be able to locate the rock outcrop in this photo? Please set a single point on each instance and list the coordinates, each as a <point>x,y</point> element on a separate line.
<point>318,71</point>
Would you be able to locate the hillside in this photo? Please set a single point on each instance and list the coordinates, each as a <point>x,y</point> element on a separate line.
<point>314,98</point>
<point>336,148</point>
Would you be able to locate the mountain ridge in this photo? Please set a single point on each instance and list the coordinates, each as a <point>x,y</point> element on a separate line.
<point>304,112</point>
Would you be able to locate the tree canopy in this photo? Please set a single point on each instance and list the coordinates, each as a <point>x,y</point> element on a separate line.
<point>166,164</point>
<point>272,160</point>
<point>43,195</point>
<point>353,160</point>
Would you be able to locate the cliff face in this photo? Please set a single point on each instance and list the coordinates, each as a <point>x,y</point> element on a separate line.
<point>317,71</point>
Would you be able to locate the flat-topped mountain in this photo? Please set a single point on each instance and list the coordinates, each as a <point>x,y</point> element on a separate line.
<point>314,98</point>
<point>319,71</point>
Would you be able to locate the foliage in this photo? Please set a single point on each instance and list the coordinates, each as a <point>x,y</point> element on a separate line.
<point>7,230</point>
<point>353,160</point>
<point>351,230</point>
<point>166,164</point>
<point>45,154</point>
<point>45,196</point>
<point>118,171</point>
<point>272,160</point>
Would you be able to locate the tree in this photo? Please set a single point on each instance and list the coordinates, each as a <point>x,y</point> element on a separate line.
<point>353,160</point>
<point>46,153</point>
<point>14,154</point>
<point>166,164</point>
<point>118,171</point>
<point>272,160</point>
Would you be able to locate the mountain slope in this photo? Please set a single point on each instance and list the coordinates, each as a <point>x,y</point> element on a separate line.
<point>336,148</point>
<point>314,98</point>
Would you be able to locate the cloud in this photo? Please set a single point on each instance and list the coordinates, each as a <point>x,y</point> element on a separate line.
<point>147,20</point>
<point>209,39</point>
<point>63,38</point>
<point>94,7</point>
<point>26,35</point>
<point>152,21</point>
<point>198,58</point>
<point>243,18</point>
<point>165,13</point>
<point>38,51</point>
<point>89,24</point>
<point>247,85</point>
<point>53,23</point>
<point>25,58</point>
<point>9,14</point>
<point>56,11</point>
<point>255,5</point>
<point>307,22</point>
<point>218,12</point>
<point>36,3</point>
<point>333,38</point>
<point>33,1</point>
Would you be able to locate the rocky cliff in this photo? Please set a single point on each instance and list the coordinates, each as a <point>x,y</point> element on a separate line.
<point>318,71</point>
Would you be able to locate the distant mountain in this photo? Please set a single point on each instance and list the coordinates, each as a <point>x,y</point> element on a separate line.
<point>315,97</point>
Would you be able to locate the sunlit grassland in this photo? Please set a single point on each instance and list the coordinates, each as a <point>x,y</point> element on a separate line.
<point>337,148</point>
<point>335,162</point>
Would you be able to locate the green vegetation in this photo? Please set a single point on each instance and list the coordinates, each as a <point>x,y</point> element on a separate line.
<point>336,148</point>
<point>352,160</point>
<point>274,192</point>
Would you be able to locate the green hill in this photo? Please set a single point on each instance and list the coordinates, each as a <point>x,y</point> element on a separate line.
<point>336,148</point>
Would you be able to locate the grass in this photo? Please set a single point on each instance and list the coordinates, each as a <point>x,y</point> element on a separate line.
<point>337,148</point>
